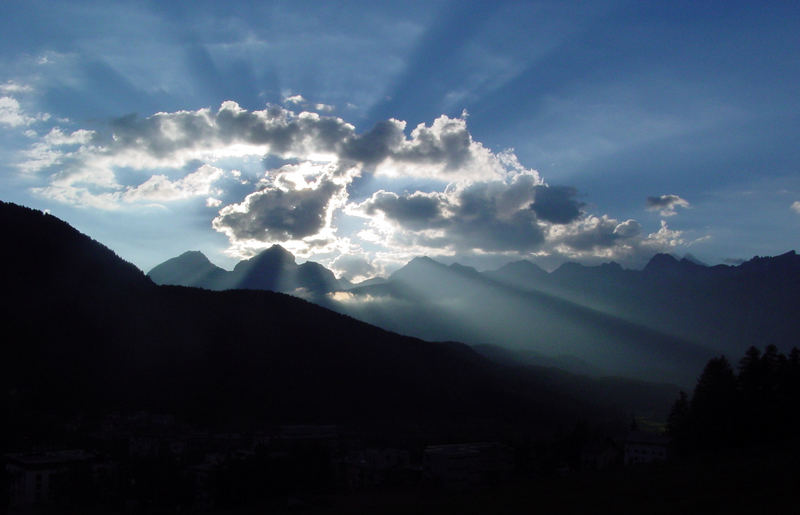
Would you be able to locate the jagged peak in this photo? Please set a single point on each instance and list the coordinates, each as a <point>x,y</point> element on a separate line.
<point>522,265</point>
<point>423,260</point>
<point>661,261</point>
<point>275,255</point>
<point>463,269</point>
<point>689,258</point>
<point>194,256</point>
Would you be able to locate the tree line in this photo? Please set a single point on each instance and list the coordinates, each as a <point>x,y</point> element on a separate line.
<point>756,403</point>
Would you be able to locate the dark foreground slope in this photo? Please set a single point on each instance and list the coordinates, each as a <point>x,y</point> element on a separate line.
<point>90,333</point>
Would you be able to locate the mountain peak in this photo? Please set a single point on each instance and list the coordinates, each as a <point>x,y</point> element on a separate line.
<point>415,267</point>
<point>523,265</point>
<point>192,268</point>
<point>278,251</point>
<point>275,256</point>
<point>692,259</point>
<point>463,269</point>
<point>661,261</point>
<point>423,260</point>
<point>193,256</point>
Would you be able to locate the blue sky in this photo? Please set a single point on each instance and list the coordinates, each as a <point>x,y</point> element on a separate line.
<point>360,134</point>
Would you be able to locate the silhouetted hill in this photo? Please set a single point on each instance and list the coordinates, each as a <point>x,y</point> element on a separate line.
<point>90,333</point>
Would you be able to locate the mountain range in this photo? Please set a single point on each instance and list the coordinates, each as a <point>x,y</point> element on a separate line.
<point>273,269</point>
<point>659,323</point>
<point>88,333</point>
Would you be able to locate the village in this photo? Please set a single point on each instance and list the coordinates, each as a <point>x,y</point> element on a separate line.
<point>142,461</point>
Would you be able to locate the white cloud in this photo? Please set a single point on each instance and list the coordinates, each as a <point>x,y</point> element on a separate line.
<point>663,239</point>
<point>355,267</point>
<point>294,206</point>
<point>796,206</point>
<point>159,188</point>
<point>56,137</point>
<point>11,113</point>
<point>476,200</point>
<point>13,87</point>
<point>294,99</point>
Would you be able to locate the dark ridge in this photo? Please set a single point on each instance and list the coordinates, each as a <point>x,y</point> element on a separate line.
<point>93,334</point>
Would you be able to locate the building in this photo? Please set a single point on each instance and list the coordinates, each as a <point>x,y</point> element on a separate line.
<point>462,465</point>
<point>54,477</point>
<point>642,447</point>
<point>375,467</point>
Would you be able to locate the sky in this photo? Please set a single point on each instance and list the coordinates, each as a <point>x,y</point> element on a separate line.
<point>362,134</point>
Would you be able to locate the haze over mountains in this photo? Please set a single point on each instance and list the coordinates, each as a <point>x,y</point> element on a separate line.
<point>662,322</point>
<point>90,333</point>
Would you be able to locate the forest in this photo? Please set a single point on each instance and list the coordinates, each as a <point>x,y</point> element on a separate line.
<point>730,408</point>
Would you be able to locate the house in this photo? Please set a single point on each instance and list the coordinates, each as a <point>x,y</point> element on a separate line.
<point>462,465</point>
<point>53,477</point>
<point>374,467</point>
<point>643,447</point>
<point>600,455</point>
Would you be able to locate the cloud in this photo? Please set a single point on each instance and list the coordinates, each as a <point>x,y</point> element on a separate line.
<point>416,211</point>
<point>486,216</point>
<point>56,137</point>
<point>443,192</point>
<point>556,204</point>
<point>294,99</point>
<point>346,297</point>
<point>300,101</point>
<point>443,151</point>
<point>354,267</point>
<point>666,204</point>
<point>594,233</point>
<point>796,206</point>
<point>287,207</point>
<point>11,113</point>
<point>159,188</point>
<point>13,87</point>
<point>663,239</point>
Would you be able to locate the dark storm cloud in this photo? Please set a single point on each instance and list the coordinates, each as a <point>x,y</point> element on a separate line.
<point>556,204</point>
<point>415,211</point>
<point>487,232</point>
<point>277,215</point>
<point>490,216</point>
<point>373,146</point>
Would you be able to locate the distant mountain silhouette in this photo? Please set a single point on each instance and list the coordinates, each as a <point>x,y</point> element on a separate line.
<point>87,333</point>
<point>431,300</point>
<point>191,268</point>
<point>727,308</point>
<point>659,322</point>
<point>662,322</point>
<point>274,269</point>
